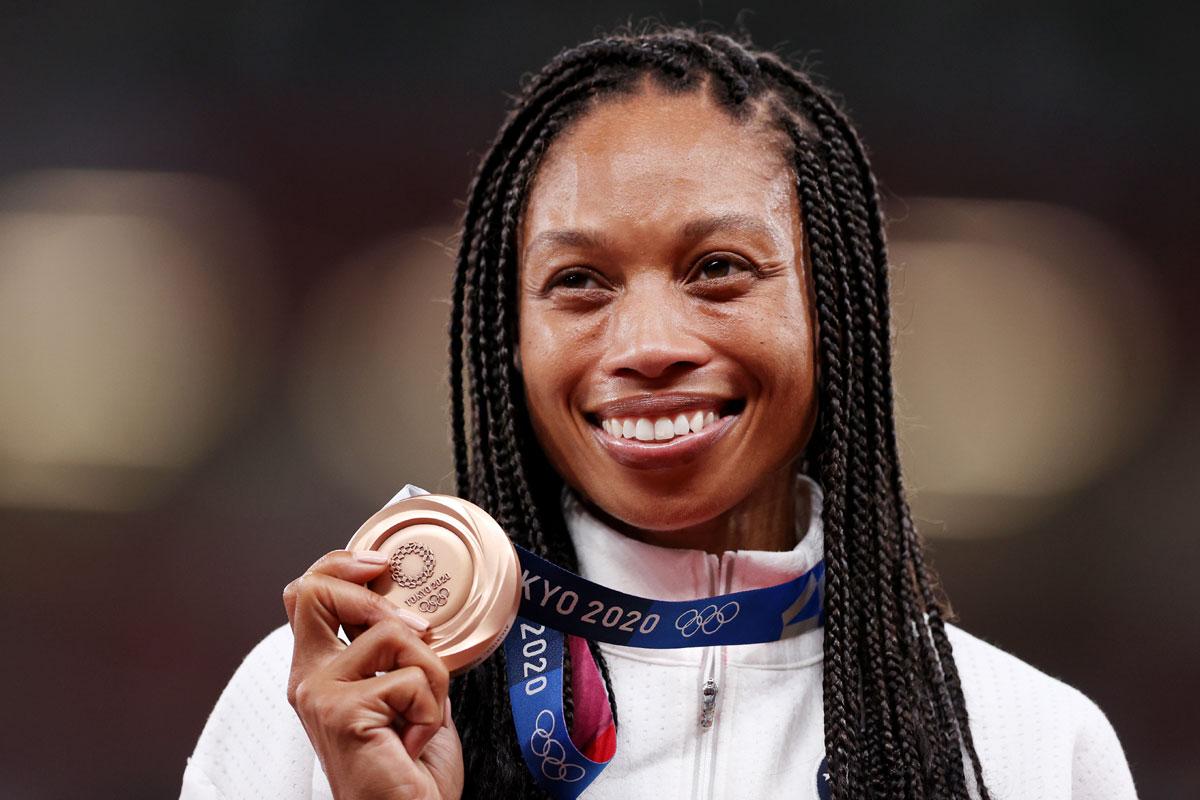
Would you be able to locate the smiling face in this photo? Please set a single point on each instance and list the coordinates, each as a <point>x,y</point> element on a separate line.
<point>666,326</point>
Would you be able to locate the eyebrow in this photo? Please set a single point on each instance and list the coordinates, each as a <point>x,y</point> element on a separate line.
<point>742,223</point>
<point>691,230</point>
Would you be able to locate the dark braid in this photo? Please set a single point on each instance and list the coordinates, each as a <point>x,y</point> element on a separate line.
<point>841,706</point>
<point>896,724</point>
<point>871,505</point>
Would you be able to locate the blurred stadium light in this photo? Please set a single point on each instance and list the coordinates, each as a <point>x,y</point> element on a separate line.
<point>369,386</point>
<point>1032,342</point>
<point>125,304</point>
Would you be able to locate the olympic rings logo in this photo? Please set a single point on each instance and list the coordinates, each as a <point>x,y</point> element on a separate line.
<point>551,752</point>
<point>435,601</point>
<point>707,620</point>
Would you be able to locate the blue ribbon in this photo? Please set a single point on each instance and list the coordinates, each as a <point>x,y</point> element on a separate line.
<point>534,658</point>
<point>556,601</point>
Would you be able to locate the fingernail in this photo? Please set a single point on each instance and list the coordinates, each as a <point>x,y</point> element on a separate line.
<point>411,619</point>
<point>370,556</point>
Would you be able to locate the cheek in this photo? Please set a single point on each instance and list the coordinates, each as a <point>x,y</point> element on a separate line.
<point>782,360</point>
<point>537,365</point>
<point>786,369</point>
<point>551,371</point>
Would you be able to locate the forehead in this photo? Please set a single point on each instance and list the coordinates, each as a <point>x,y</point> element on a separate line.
<point>653,158</point>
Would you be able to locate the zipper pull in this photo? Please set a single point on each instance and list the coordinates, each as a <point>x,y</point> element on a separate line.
<point>708,703</point>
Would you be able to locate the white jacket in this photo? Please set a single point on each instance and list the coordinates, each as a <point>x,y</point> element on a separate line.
<point>1036,737</point>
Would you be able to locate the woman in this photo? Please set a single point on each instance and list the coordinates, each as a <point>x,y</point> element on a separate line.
<point>670,372</point>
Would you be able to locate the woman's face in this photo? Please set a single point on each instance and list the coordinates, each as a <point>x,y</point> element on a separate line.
<point>666,327</point>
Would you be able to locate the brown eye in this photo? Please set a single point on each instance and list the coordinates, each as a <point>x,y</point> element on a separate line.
<point>719,266</point>
<point>576,279</point>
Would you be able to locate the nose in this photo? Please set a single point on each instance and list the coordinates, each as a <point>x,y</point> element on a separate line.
<point>650,336</point>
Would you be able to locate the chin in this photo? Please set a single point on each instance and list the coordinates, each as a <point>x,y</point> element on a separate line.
<point>664,512</point>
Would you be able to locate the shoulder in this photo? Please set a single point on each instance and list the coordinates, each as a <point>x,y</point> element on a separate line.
<point>269,660</point>
<point>1036,736</point>
<point>257,692</point>
<point>253,744</point>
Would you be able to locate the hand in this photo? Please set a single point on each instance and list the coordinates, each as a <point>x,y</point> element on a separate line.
<point>386,735</point>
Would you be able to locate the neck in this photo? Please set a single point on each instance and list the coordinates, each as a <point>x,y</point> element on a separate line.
<point>765,520</point>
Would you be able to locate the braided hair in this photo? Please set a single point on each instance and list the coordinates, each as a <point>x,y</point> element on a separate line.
<point>895,720</point>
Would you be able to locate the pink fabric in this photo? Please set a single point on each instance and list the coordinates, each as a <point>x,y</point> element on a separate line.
<point>592,732</point>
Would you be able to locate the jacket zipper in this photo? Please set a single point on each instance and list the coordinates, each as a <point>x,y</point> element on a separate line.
<point>712,674</point>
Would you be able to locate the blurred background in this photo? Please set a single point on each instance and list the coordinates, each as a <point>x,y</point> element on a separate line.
<point>223,293</point>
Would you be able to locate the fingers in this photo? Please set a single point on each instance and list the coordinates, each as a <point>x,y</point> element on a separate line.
<point>386,646</point>
<point>353,708</point>
<point>416,684</point>
<point>329,595</point>
<point>392,645</point>
<point>409,693</point>
<point>405,699</point>
<point>355,567</point>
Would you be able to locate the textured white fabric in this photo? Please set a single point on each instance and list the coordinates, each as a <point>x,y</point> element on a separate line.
<point>1036,736</point>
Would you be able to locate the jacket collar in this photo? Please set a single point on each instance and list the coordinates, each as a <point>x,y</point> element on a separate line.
<point>612,559</point>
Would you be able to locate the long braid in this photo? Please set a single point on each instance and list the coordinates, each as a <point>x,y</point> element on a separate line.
<point>842,715</point>
<point>859,553</point>
<point>886,773</point>
<point>895,720</point>
<point>884,437</point>
<point>897,600</point>
<point>944,650</point>
<point>889,439</point>
<point>876,308</point>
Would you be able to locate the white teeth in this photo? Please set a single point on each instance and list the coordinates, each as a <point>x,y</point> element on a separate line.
<point>661,429</point>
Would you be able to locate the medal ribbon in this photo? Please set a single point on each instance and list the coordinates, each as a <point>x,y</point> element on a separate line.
<point>556,601</point>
